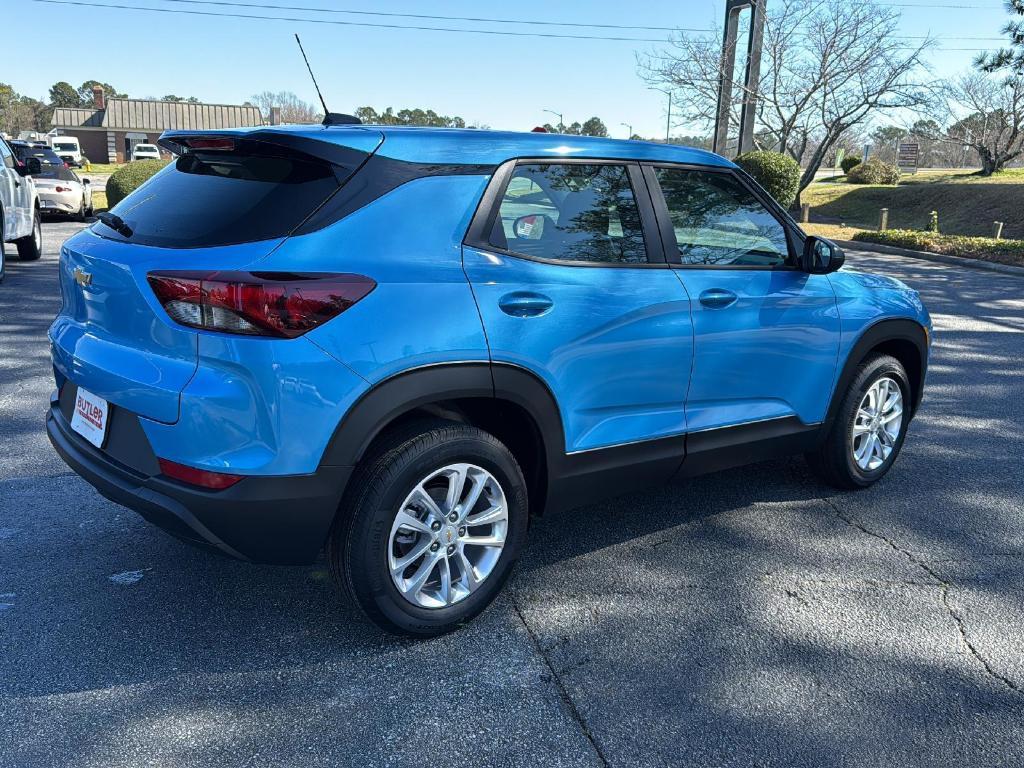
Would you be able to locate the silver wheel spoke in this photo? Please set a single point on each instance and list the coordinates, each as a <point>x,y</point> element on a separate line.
<point>456,485</point>
<point>479,481</point>
<point>469,578</point>
<point>446,580</point>
<point>420,496</point>
<point>406,560</point>
<point>489,515</point>
<point>411,523</point>
<point>484,541</point>
<point>415,583</point>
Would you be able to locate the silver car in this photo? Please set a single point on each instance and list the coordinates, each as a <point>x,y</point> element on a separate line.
<point>62,191</point>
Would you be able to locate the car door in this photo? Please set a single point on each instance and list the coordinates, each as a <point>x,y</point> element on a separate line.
<point>766,334</point>
<point>568,272</point>
<point>9,178</point>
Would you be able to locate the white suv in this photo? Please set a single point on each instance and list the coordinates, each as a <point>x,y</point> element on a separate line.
<point>19,207</point>
<point>146,152</point>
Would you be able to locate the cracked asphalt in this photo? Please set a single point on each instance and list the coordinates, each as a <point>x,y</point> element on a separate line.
<point>752,617</point>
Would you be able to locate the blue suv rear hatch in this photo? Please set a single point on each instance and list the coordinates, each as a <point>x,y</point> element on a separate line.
<point>226,202</point>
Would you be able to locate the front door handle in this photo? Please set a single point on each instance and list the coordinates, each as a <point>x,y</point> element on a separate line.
<point>525,304</point>
<point>717,298</point>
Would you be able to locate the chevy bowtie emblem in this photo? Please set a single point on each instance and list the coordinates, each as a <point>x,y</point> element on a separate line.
<point>82,277</point>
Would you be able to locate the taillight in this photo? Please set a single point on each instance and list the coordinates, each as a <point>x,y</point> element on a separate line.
<point>62,189</point>
<point>204,478</point>
<point>279,304</point>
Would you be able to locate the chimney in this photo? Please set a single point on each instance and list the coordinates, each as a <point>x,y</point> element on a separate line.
<point>275,115</point>
<point>97,97</point>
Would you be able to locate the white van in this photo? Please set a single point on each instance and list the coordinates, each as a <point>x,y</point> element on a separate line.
<point>67,149</point>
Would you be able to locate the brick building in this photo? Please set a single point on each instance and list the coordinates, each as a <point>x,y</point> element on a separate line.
<point>110,128</point>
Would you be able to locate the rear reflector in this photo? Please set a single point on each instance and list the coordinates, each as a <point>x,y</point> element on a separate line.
<point>215,481</point>
<point>276,304</point>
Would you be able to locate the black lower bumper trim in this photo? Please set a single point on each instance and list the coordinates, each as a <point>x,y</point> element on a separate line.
<point>278,520</point>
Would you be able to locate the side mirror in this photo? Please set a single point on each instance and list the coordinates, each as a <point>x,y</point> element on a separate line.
<point>821,256</point>
<point>86,181</point>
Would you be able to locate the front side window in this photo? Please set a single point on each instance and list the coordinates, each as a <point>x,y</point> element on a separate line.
<point>6,155</point>
<point>571,212</point>
<point>719,222</point>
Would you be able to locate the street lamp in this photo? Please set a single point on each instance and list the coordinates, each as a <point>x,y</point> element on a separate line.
<point>561,125</point>
<point>668,118</point>
<point>630,136</point>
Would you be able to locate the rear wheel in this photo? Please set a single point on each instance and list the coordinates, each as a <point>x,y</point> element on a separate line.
<point>869,429</point>
<point>82,214</point>
<point>432,529</point>
<point>30,247</point>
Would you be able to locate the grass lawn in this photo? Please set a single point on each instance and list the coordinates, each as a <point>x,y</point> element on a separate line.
<point>99,168</point>
<point>967,204</point>
<point>99,201</point>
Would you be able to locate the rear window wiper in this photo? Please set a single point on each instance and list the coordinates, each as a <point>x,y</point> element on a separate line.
<point>116,223</point>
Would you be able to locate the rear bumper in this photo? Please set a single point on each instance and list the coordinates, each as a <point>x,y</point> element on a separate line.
<point>277,520</point>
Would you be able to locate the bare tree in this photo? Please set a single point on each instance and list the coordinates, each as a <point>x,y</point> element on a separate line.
<point>827,67</point>
<point>293,109</point>
<point>987,115</point>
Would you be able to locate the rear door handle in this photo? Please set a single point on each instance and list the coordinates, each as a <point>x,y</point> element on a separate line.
<point>525,304</point>
<point>717,298</point>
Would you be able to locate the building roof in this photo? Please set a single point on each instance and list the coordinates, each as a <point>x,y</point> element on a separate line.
<point>485,147</point>
<point>145,115</point>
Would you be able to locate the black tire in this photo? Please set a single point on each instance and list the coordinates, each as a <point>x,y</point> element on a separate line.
<point>82,214</point>
<point>30,247</point>
<point>357,548</point>
<point>834,462</point>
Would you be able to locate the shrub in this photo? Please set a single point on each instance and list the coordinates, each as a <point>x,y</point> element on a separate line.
<point>984,248</point>
<point>130,177</point>
<point>873,171</point>
<point>779,174</point>
<point>849,162</point>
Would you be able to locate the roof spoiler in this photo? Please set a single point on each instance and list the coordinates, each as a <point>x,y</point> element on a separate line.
<point>349,154</point>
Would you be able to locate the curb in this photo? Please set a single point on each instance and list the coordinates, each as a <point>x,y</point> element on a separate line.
<point>941,258</point>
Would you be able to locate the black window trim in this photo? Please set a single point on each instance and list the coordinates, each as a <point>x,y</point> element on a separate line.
<point>478,233</point>
<point>794,236</point>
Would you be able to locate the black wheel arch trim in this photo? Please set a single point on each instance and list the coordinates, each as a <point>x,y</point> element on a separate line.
<point>892,329</point>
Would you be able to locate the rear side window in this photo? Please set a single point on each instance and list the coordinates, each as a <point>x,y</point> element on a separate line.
<point>256,191</point>
<point>719,222</point>
<point>571,212</point>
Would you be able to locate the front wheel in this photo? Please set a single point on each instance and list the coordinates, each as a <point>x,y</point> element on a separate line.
<point>868,431</point>
<point>30,247</point>
<point>430,533</point>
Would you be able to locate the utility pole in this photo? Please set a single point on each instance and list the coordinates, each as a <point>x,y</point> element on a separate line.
<point>630,127</point>
<point>561,125</point>
<point>751,76</point>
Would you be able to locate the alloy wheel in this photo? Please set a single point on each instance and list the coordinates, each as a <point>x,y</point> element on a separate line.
<point>877,424</point>
<point>447,536</point>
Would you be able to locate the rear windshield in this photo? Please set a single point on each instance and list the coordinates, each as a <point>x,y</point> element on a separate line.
<point>257,191</point>
<point>60,173</point>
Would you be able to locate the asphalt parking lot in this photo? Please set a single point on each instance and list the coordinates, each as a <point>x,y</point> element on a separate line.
<point>753,617</point>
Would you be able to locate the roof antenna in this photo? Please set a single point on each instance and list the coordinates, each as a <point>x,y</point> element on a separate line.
<point>330,118</point>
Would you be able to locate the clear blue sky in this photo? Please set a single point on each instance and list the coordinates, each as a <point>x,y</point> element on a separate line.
<point>504,82</point>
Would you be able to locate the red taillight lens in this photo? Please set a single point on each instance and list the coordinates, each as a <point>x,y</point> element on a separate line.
<point>280,304</point>
<point>61,189</point>
<point>215,481</point>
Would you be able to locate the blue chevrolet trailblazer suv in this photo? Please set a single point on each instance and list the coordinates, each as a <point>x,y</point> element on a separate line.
<point>397,344</point>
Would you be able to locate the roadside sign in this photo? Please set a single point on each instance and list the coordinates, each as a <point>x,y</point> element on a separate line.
<point>907,156</point>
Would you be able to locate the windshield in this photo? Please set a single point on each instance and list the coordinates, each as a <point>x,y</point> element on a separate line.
<point>64,146</point>
<point>145,148</point>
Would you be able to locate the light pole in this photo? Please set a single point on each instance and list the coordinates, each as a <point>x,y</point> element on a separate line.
<point>630,136</point>
<point>561,125</point>
<point>668,117</point>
